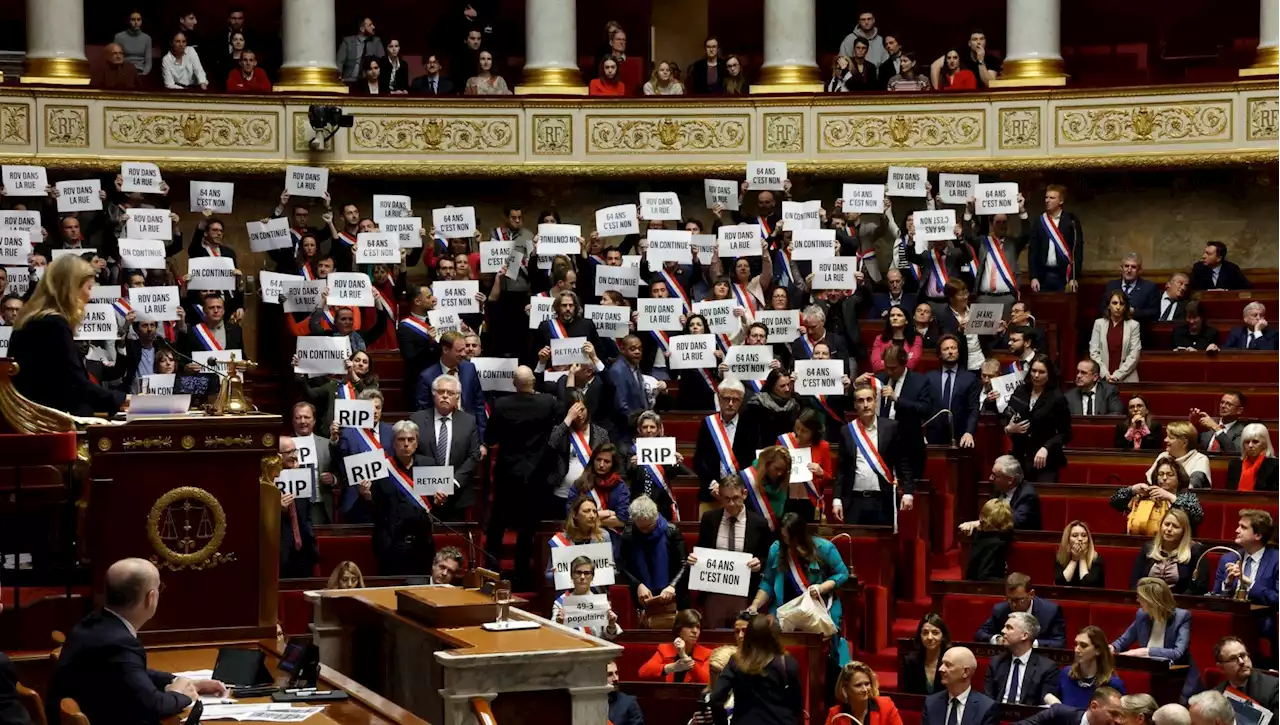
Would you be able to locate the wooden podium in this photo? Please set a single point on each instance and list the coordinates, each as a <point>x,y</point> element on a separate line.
<point>422,648</point>
<point>184,492</point>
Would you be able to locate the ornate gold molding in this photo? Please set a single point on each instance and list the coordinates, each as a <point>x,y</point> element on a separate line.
<point>15,124</point>
<point>210,129</point>
<point>642,133</point>
<point>66,126</point>
<point>434,134</point>
<point>243,441</point>
<point>552,134</point>
<point>186,527</point>
<point>1264,119</point>
<point>943,130</point>
<point>302,135</point>
<point>783,133</point>
<point>146,444</point>
<point>1185,122</point>
<point>1020,128</point>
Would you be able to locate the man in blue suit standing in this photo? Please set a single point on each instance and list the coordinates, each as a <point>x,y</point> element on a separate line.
<point>1259,573</point>
<point>959,703</point>
<point>1020,596</point>
<point>628,384</point>
<point>1142,294</point>
<point>956,389</point>
<point>345,442</point>
<point>1104,709</point>
<point>453,361</point>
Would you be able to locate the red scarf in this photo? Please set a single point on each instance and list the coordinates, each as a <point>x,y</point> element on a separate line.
<point>1248,473</point>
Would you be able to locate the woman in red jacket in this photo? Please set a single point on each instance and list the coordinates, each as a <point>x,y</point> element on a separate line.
<point>955,78</point>
<point>858,691</point>
<point>684,660</point>
<point>809,433</point>
<point>608,84</point>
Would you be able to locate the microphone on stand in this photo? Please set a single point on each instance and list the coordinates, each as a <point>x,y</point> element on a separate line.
<point>160,340</point>
<point>951,424</point>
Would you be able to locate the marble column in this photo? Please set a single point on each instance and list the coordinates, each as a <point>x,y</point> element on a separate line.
<point>1034,53</point>
<point>55,43</point>
<point>590,703</point>
<point>310,49</point>
<point>790,48</point>
<point>551,49</point>
<point>1267,61</point>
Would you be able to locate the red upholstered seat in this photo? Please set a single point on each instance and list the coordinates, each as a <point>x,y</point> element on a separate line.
<point>622,605</point>
<point>336,549</point>
<point>38,449</point>
<point>964,615</point>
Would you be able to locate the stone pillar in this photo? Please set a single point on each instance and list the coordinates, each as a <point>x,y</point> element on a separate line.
<point>590,704</point>
<point>551,49</point>
<point>310,49</point>
<point>1034,55</point>
<point>790,48</point>
<point>1267,61</point>
<point>55,43</point>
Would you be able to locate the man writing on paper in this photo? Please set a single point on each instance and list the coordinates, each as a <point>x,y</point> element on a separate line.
<point>402,533</point>
<point>298,550</point>
<point>452,439</point>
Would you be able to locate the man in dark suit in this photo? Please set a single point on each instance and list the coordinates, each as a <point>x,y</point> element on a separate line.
<point>1020,675</point>
<point>881,303</point>
<point>1104,709</point>
<point>1092,395</point>
<point>1233,659</point>
<point>998,277</point>
<point>403,535</point>
<point>959,703</point>
<point>624,709</point>
<point>103,666</point>
<point>567,322</point>
<point>345,442</point>
<point>1213,271</point>
<point>1020,596</point>
<point>597,395</point>
<point>952,388</point>
<point>1006,479</point>
<point>1255,333</point>
<point>943,260</point>
<point>298,549</point>
<point>520,428</point>
<point>710,464</point>
<point>814,320</point>
<point>214,332</point>
<point>448,436</point>
<point>1224,434</point>
<point>628,384</point>
<point>1056,255</point>
<point>1170,305</point>
<point>453,361</point>
<point>1141,293</point>
<point>867,477</point>
<point>904,397</point>
<point>418,347</point>
<point>1259,571</point>
<point>733,528</point>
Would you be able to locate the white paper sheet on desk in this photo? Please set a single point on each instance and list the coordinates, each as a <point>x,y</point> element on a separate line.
<point>195,674</point>
<point>261,712</point>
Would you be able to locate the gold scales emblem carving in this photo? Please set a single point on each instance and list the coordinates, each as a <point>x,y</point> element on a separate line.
<point>185,527</point>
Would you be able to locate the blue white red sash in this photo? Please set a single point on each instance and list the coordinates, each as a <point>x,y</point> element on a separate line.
<point>326,319</point>
<point>782,264</point>
<point>595,258</point>
<point>380,300</point>
<point>307,273</point>
<point>214,250</point>
<point>996,258</point>
<point>788,441</point>
<point>600,501</point>
<point>418,327</point>
<point>122,307</point>
<point>720,437</point>
<point>296,236</point>
<point>347,391</point>
<point>206,338</point>
<point>766,229</point>
<point>864,256</point>
<point>826,405</point>
<point>972,265</point>
<point>580,447</point>
<point>556,329</point>
<point>404,482</point>
<point>870,452</point>
<point>1055,236</point>
<point>346,239</point>
<point>664,343</point>
<point>744,297</point>
<point>799,578</point>
<point>939,271</point>
<point>368,440</point>
<point>676,289</point>
<point>502,234</point>
<point>559,540</point>
<point>658,475</point>
<point>806,346</point>
<point>757,497</point>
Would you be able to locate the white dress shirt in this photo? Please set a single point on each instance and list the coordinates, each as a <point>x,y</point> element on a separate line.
<point>1256,557</point>
<point>184,72</point>
<point>739,532</point>
<point>961,700</point>
<point>1052,253</point>
<point>730,428</point>
<point>1024,658</point>
<point>1166,303</point>
<point>864,477</point>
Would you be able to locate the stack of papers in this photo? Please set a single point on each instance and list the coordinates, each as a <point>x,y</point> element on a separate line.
<point>263,712</point>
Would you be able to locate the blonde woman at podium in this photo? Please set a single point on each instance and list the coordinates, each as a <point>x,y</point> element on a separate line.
<point>51,371</point>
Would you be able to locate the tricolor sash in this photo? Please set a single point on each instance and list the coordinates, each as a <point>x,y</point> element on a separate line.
<point>600,501</point>
<point>870,452</point>
<point>939,271</point>
<point>404,482</point>
<point>595,258</point>
<point>826,406</point>
<point>659,477</point>
<point>418,327</point>
<point>744,297</point>
<point>368,439</point>
<point>296,236</point>
<point>346,239</point>
<point>800,578</point>
<point>766,229</point>
<point>755,494</point>
<point>788,441</point>
<point>122,307</point>
<point>380,300</point>
<point>307,273</point>
<point>580,447</point>
<point>720,436</point>
<point>999,264</point>
<point>556,328</point>
<point>326,319</point>
<point>1055,236</point>
<point>676,289</point>
<point>206,338</point>
<point>347,391</point>
<point>559,540</point>
<point>782,263</point>
<point>806,346</point>
<point>213,250</point>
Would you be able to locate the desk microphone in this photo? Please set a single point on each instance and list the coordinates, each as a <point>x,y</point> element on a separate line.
<point>471,544</point>
<point>169,346</point>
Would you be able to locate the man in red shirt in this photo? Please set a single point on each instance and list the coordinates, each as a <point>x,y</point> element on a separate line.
<point>249,78</point>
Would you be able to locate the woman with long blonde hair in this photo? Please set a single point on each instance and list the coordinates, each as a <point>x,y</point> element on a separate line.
<point>1078,563</point>
<point>858,692</point>
<point>51,369</point>
<point>1171,555</point>
<point>1160,630</point>
<point>763,680</point>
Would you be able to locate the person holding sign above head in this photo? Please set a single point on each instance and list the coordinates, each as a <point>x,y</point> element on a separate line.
<point>583,571</point>
<point>1056,254</point>
<point>323,391</point>
<point>575,469</point>
<point>402,532</point>
<point>653,562</point>
<point>943,260</point>
<point>873,464</point>
<point>298,550</point>
<point>214,334</point>
<point>998,251</point>
<point>684,660</point>
<point>452,439</point>
<point>736,528</point>
<point>582,526</point>
<point>1038,422</point>
<point>347,439</point>
<point>647,477</point>
<point>748,290</point>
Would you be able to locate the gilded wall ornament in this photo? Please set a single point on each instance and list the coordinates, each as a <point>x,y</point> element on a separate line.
<point>186,527</point>
<point>1020,128</point>
<point>1264,119</point>
<point>866,131</point>
<point>667,134</point>
<point>66,126</point>
<point>784,133</point>
<point>471,134</point>
<point>15,124</point>
<point>552,135</point>
<point>128,128</point>
<point>302,133</point>
<point>1189,122</point>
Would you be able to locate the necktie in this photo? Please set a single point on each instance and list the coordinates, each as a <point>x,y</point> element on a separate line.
<point>442,441</point>
<point>1168,308</point>
<point>1128,288</point>
<point>884,407</point>
<point>1088,403</point>
<point>946,389</point>
<point>1214,445</point>
<point>1014,678</point>
<point>1248,569</point>
<point>640,381</point>
<point>433,85</point>
<point>733,523</point>
<point>953,712</point>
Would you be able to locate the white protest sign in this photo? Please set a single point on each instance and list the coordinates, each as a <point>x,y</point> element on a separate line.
<point>15,245</point>
<point>656,451</point>
<point>722,192</point>
<point>353,413</point>
<point>800,460</point>
<point>660,205</point>
<point>454,222</point>
<point>704,245</point>
<point>5,333</point>
<point>306,181</point>
<point>296,481</point>
<point>835,273</point>
<point>766,175</point>
<point>304,296</point>
<point>158,384</point>
<point>611,321</point>
<point>692,352</point>
<point>956,188</point>
<point>551,377</point>
<point>907,181</point>
<point>567,351</point>
<point>554,239</point>
<point>391,206</point>
<point>377,248</point>
<point>306,446</point>
<point>749,362</point>
<point>147,405</point>
<point>72,251</point>
<point>457,297</point>
<point>719,316</point>
<point>369,466</point>
<point>493,255</point>
<point>617,221</point>
<point>443,321</point>
<point>588,610</point>
<point>269,235</point>
<point>430,480</point>
<point>783,325</point>
<point>984,319</point>
<point>934,226</point>
<point>541,309</point>
<point>28,221</point>
<point>1001,198</point>
<point>863,198</point>
<point>497,374</point>
<point>669,245</point>
<point>322,355</point>
<point>99,323</point>
<point>221,358</point>
<point>141,254</point>
<point>274,285</point>
<point>19,280</point>
<point>211,273</point>
<point>624,279</point>
<point>1005,385</point>
<point>813,244</point>
<point>659,314</point>
<point>215,195</point>
<point>720,572</point>
<point>601,554</point>
<point>631,260</point>
<point>24,180</point>
<point>406,230</point>
<point>79,195</point>
<point>105,293</point>
<point>820,377</point>
<point>739,240</point>
<point>155,304</point>
<point>802,214</point>
<point>350,289</point>
<point>149,224</point>
<point>140,176</point>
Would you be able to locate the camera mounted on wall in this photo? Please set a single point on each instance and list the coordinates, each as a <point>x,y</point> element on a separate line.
<point>326,120</point>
